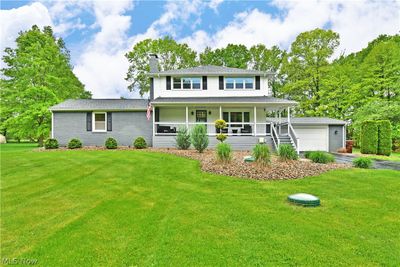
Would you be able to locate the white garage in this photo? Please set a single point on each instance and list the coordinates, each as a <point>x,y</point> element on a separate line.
<point>312,137</point>
<point>317,133</point>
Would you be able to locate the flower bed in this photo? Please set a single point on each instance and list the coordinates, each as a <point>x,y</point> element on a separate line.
<point>237,167</point>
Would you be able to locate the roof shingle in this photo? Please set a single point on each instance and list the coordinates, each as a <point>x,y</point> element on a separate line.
<point>100,104</point>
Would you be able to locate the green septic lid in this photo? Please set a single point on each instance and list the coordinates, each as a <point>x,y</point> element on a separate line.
<point>304,199</point>
<point>249,159</point>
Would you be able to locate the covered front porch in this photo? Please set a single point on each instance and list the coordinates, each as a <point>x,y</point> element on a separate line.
<point>247,124</point>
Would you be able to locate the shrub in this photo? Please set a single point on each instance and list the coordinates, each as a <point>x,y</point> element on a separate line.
<point>140,143</point>
<point>220,124</point>
<point>287,152</point>
<point>321,157</point>
<point>364,163</point>
<point>199,137</point>
<point>262,154</point>
<point>111,143</point>
<point>307,154</point>
<point>221,137</point>
<point>51,143</point>
<point>342,150</point>
<point>384,137</point>
<point>182,138</point>
<point>224,152</point>
<point>74,143</point>
<point>369,137</point>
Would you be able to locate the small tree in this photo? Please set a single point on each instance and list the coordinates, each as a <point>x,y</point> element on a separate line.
<point>199,138</point>
<point>369,137</point>
<point>219,125</point>
<point>182,138</point>
<point>384,137</point>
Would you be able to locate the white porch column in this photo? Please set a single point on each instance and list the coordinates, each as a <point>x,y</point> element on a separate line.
<point>153,116</point>
<point>220,112</point>
<point>280,121</point>
<point>288,115</point>
<point>255,121</point>
<point>187,117</point>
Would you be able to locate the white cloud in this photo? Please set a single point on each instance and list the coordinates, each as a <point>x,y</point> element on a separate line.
<point>21,19</point>
<point>102,66</point>
<point>357,22</point>
<point>214,4</point>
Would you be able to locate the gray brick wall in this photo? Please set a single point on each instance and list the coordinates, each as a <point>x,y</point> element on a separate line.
<point>126,126</point>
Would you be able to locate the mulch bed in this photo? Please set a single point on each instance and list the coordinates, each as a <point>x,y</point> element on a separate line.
<point>277,170</point>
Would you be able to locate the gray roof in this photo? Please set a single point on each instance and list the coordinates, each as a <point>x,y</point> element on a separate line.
<point>217,100</point>
<point>210,70</point>
<point>100,104</point>
<point>310,121</point>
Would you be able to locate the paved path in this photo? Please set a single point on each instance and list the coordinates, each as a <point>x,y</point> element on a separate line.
<point>378,163</point>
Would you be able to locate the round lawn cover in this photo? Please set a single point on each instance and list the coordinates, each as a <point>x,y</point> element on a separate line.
<point>304,199</point>
<point>249,159</point>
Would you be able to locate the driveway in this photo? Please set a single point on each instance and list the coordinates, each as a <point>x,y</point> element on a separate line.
<point>377,163</point>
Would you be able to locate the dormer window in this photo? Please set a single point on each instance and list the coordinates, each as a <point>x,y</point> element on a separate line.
<point>239,83</point>
<point>187,83</point>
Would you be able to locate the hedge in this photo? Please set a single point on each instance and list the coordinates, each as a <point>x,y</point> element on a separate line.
<point>384,137</point>
<point>369,137</point>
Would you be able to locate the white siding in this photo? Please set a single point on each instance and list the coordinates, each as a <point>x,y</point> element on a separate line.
<point>313,137</point>
<point>212,89</point>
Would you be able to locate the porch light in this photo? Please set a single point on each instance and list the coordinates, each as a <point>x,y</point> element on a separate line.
<point>192,113</point>
<point>209,112</point>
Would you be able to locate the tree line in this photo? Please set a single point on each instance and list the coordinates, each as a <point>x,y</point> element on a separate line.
<point>355,87</point>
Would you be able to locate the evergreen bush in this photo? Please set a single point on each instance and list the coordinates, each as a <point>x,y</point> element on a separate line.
<point>182,138</point>
<point>199,137</point>
<point>384,137</point>
<point>220,124</point>
<point>111,143</point>
<point>369,137</point>
<point>51,143</point>
<point>74,143</point>
<point>140,143</point>
<point>221,137</point>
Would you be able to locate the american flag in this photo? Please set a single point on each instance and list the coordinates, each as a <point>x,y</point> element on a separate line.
<point>148,115</point>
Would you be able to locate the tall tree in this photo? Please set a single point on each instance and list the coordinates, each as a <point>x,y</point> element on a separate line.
<point>37,75</point>
<point>172,55</point>
<point>306,65</point>
<point>381,71</point>
<point>234,56</point>
<point>264,59</point>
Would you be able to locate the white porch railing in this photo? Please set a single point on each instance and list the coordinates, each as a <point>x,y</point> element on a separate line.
<point>275,136</point>
<point>233,128</point>
<point>293,137</point>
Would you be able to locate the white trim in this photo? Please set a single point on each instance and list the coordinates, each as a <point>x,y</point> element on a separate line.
<point>255,121</point>
<point>187,117</point>
<point>52,124</point>
<point>153,115</point>
<point>220,112</point>
<point>344,136</point>
<point>94,122</point>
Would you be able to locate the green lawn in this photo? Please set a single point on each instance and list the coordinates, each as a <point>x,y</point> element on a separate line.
<point>395,156</point>
<point>136,208</point>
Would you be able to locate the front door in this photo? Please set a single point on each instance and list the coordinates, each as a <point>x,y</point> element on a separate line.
<point>201,115</point>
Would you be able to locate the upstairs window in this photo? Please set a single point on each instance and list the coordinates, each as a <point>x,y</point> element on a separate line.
<point>187,83</point>
<point>239,83</point>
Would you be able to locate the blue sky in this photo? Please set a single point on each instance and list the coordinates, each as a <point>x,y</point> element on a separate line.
<point>99,33</point>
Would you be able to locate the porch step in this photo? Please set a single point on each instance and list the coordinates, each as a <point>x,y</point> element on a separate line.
<point>285,140</point>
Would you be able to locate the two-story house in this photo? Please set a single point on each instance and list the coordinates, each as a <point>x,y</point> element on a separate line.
<point>198,95</point>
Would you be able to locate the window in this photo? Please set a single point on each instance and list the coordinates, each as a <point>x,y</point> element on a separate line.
<point>238,117</point>
<point>187,83</point>
<point>239,83</point>
<point>99,121</point>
